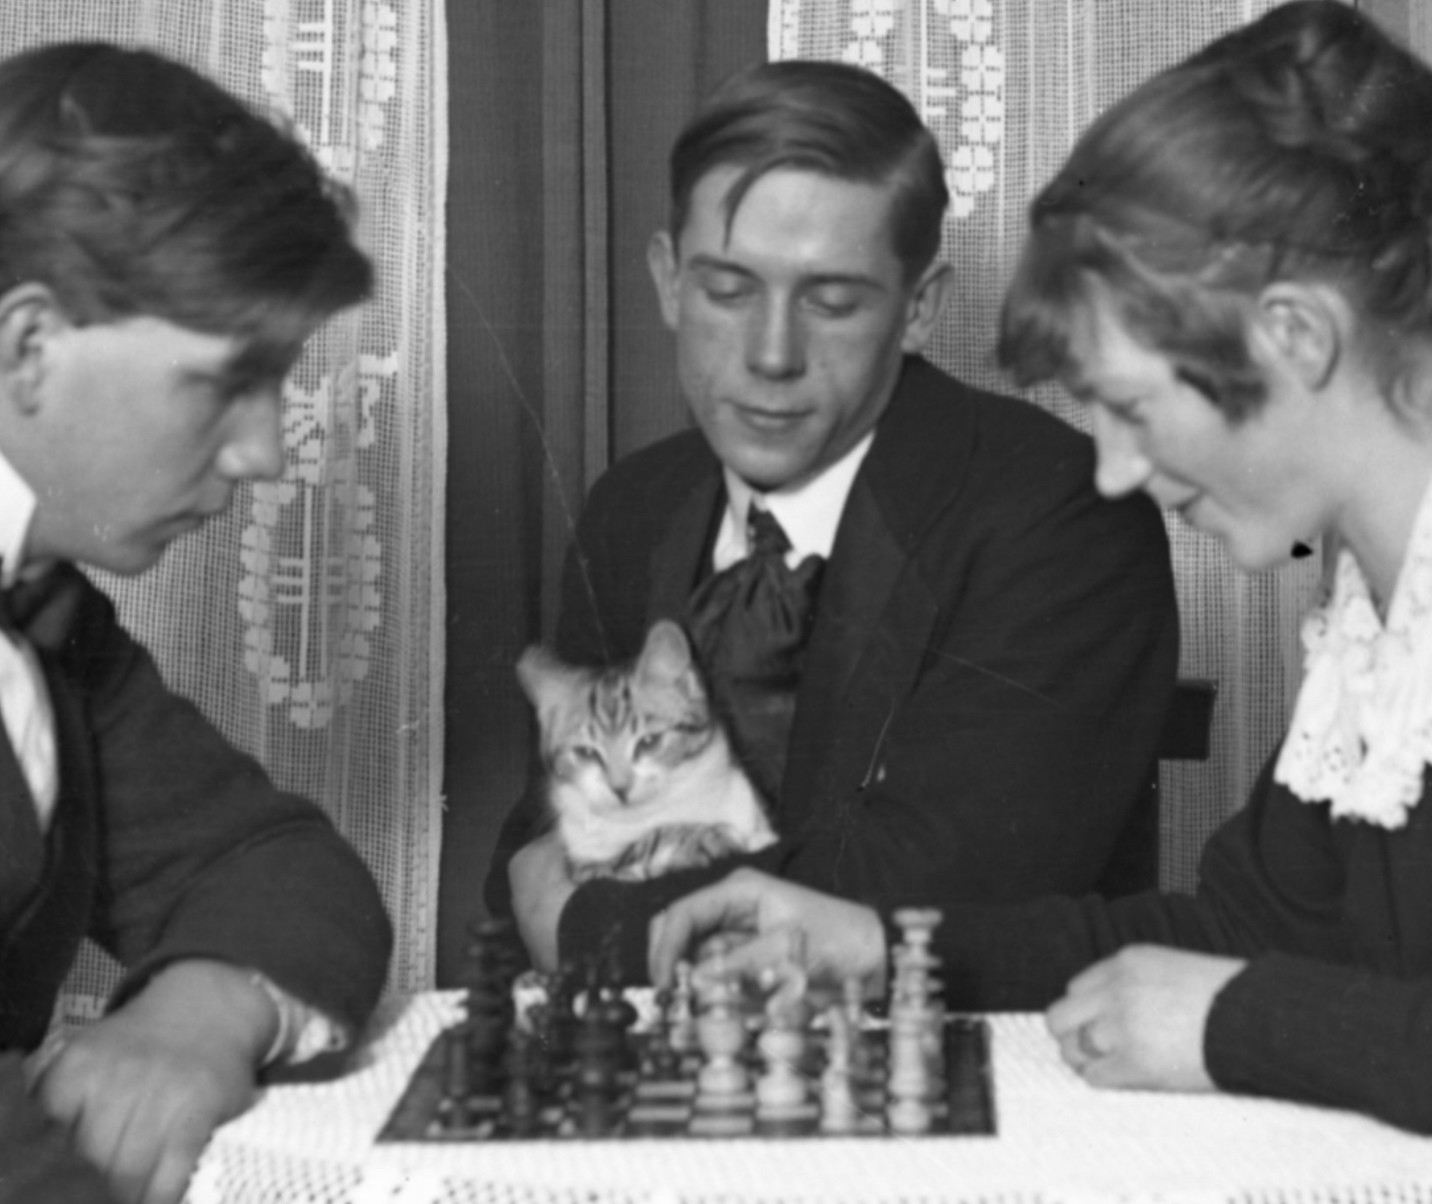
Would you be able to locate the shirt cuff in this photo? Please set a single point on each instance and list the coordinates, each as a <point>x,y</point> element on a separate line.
<point>303,1032</point>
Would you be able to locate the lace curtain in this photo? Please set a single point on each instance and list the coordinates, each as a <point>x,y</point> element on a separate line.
<point>1007,85</point>
<point>307,622</point>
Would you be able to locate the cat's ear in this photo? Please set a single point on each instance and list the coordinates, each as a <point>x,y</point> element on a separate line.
<point>542,676</point>
<point>666,655</point>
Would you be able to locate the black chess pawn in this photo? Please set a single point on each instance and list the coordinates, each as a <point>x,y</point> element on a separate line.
<point>662,1062</point>
<point>597,1082</point>
<point>618,1014</point>
<point>453,1112</point>
<point>491,968</point>
<point>520,1103</point>
<point>559,1021</point>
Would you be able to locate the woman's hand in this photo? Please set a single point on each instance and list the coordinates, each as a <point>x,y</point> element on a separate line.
<point>1137,1019</point>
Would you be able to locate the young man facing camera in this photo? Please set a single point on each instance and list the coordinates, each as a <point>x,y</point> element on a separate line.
<point>990,646</point>
<point>164,255</point>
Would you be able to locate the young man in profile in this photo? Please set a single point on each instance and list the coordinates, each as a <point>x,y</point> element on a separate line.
<point>164,255</point>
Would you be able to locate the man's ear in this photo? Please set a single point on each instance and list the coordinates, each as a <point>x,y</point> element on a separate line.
<point>926,301</point>
<point>661,260</point>
<point>30,316</point>
<point>1304,324</point>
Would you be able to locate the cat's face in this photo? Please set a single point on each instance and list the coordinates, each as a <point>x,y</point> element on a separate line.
<point>613,739</point>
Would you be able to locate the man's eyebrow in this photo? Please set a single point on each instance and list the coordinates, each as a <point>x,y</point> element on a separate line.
<point>708,262</point>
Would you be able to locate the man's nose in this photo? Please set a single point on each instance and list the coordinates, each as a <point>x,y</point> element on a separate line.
<point>254,449</point>
<point>776,342</point>
<point>1122,466</point>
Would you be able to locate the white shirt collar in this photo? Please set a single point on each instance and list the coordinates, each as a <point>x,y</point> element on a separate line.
<point>809,514</point>
<point>17,512</point>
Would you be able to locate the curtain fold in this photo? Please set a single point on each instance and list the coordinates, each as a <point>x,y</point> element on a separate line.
<point>1007,85</point>
<point>307,621</point>
<point>562,117</point>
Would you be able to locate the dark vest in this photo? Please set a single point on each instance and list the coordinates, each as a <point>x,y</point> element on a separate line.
<point>47,887</point>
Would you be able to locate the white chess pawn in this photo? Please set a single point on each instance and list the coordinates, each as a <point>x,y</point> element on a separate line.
<point>908,1087</point>
<point>839,1112</point>
<point>680,1017</point>
<point>721,1034</point>
<point>781,1089</point>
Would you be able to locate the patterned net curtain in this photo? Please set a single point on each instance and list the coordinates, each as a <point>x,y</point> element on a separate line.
<point>1007,85</point>
<point>307,621</point>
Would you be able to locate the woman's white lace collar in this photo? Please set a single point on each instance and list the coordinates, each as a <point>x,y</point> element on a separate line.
<point>1362,727</point>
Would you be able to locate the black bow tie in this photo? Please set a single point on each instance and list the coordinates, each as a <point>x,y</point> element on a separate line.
<point>764,534</point>
<point>41,608</point>
<point>749,624</point>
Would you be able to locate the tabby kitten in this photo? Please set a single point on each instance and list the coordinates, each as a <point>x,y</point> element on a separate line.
<point>640,777</point>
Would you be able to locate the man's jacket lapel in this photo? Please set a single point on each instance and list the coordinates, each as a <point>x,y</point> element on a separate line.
<point>676,561</point>
<point>876,611</point>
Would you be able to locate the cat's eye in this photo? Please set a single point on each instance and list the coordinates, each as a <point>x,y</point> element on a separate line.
<point>648,744</point>
<point>588,753</point>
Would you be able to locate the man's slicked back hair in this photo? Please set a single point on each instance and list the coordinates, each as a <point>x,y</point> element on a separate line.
<point>829,118</point>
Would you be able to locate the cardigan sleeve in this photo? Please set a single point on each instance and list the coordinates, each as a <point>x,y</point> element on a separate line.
<point>1324,1033</point>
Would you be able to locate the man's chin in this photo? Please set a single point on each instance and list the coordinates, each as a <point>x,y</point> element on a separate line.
<point>766,473</point>
<point>127,560</point>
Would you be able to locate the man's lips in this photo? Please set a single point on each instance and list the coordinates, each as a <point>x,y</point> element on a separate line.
<point>768,419</point>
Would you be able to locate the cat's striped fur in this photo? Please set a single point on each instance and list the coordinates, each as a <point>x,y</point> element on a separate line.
<point>640,777</point>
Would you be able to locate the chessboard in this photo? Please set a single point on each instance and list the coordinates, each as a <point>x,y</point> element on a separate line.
<point>576,1057</point>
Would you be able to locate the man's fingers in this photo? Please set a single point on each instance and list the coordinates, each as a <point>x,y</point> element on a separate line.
<point>770,951</point>
<point>113,1141</point>
<point>725,906</point>
<point>171,1172</point>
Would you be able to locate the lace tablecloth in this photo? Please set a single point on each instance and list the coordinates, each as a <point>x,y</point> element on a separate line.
<point>1059,1141</point>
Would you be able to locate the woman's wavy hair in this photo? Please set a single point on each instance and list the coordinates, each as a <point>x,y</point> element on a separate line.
<point>131,185</point>
<point>829,118</point>
<point>1298,147</point>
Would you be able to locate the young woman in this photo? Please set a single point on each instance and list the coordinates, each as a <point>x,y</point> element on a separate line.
<point>1234,270</point>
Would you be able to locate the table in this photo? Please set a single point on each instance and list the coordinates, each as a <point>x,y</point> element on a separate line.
<point>1059,1141</point>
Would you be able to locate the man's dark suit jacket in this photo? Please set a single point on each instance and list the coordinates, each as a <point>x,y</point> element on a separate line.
<point>166,843</point>
<point>992,659</point>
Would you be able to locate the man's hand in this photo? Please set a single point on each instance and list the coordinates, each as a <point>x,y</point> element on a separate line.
<point>541,887</point>
<point>773,922</point>
<point>1137,1019</point>
<point>143,1089</point>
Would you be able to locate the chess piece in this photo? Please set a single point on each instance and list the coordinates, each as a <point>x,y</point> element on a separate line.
<point>917,1020</point>
<point>839,1110</point>
<point>721,1035</point>
<point>519,1097</point>
<point>781,1088</point>
<point>489,972</point>
<point>908,1109</point>
<point>681,1014</point>
<point>597,1080</point>
<point>662,1063</point>
<point>453,1114</point>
